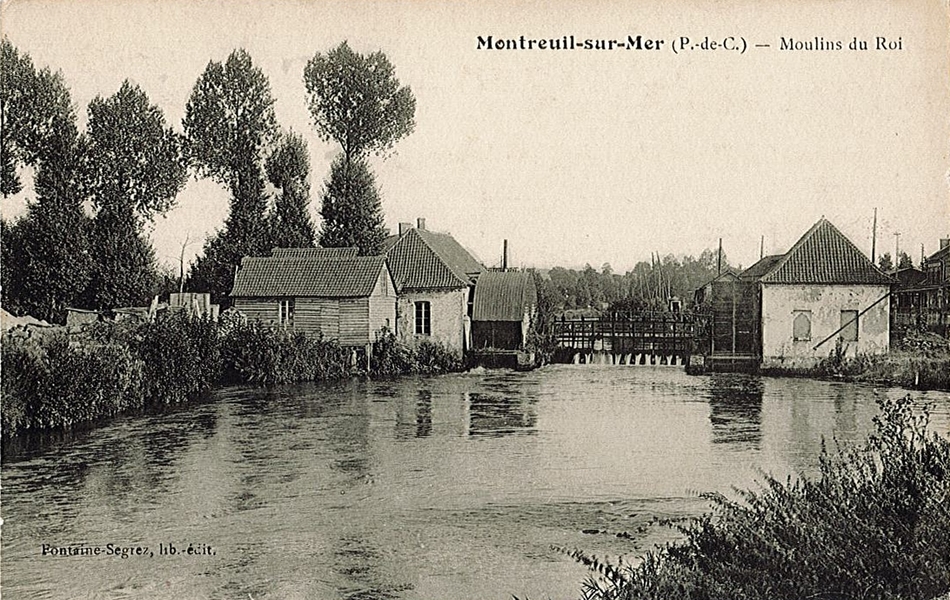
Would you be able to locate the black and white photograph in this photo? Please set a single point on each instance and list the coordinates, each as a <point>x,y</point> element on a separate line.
<point>478,300</point>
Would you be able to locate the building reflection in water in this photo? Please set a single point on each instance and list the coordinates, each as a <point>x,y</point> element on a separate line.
<point>735,403</point>
<point>498,415</point>
<point>424,414</point>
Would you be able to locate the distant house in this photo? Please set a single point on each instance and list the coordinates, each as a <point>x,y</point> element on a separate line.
<point>503,307</point>
<point>822,290</point>
<point>922,297</point>
<point>435,278</point>
<point>349,299</point>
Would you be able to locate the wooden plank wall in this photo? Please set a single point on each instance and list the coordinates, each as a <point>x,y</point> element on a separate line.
<point>353,327</point>
<point>258,309</point>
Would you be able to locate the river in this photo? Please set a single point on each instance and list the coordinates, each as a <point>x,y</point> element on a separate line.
<point>459,486</point>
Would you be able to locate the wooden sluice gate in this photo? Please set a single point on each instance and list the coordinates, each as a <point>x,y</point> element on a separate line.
<point>647,338</point>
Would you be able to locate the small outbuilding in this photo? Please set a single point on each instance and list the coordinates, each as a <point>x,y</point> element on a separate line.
<point>504,306</point>
<point>348,299</point>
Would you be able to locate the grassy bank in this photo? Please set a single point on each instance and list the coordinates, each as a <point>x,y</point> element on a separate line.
<point>919,361</point>
<point>59,379</point>
<point>875,524</point>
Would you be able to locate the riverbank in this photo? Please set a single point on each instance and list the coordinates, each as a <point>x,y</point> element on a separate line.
<point>918,362</point>
<point>60,378</point>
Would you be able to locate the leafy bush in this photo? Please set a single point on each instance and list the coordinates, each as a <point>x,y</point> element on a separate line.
<point>50,382</point>
<point>255,353</point>
<point>874,524</point>
<point>392,357</point>
<point>180,356</point>
<point>433,357</point>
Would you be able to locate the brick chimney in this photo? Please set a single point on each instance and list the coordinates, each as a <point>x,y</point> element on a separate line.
<point>944,242</point>
<point>421,223</point>
<point>403,228</point>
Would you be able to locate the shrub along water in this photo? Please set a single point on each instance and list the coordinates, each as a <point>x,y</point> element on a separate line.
<point>391,357</point>
<point>874,524</point>
<point>255,353</point>
<point>57,380</point>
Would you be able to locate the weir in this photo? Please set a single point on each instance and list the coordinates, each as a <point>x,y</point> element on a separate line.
<point>630,339</point>
<point>601,357</point>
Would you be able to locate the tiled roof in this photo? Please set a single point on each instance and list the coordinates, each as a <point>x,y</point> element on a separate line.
<point>825,255</point>
<point>503,296</point>
<point>314,252</point>
<point>421,259</point>
<point>314,277</point>
<point>760,268</point>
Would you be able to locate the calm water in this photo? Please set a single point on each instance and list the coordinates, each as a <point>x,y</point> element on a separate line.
<point>446,487</point>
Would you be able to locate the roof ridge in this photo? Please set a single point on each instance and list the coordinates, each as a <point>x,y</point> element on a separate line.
<point>801,241</point>
<point>828,236</point>
<point>462,278</point>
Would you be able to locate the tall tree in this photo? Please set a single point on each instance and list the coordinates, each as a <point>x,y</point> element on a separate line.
<point>356,101</point>
<point>288,169</point>
<point>229,127</point>
<point>351,209</point>
<point>904,261</point>
<point>134,170</point>
<point>49,257</point>
<point>885,262</point>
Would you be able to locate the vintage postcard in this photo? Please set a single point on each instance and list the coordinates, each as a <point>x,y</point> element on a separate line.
<point>420,299</point>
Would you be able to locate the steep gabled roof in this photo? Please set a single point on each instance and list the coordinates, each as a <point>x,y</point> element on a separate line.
<point>825,255</point>
<point>315,252</point>
<point>762,267</point>
<point>503,296</point>
<point>310,277</point>
<point>422,259</point>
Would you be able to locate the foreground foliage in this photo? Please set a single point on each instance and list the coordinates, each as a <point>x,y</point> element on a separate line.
<point>874,524</point>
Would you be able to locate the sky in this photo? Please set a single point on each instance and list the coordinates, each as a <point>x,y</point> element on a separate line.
<point>574,156</point>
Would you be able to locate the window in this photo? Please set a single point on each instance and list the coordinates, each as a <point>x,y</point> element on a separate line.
<point>423,318</point>
<point>285,309</point>
<point>801,325</point>
<point>849,322</point>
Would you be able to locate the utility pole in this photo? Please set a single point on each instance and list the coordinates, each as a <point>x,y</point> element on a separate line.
<point>874,238</point>
<point>719,259</point>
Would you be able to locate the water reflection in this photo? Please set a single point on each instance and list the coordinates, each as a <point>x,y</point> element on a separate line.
<point>735,409</point>
<point>498,415</point>
<point>424,414</point>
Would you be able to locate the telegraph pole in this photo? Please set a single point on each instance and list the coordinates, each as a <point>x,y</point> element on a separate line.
<point>874,238</point>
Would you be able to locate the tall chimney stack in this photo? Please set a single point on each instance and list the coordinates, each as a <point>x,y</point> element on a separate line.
<point>403,228</point>
<point>504,256</point>
<point>421,223</point>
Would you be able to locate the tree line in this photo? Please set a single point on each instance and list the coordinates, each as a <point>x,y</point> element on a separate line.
<point>82,241</point>
<point>648,286</point>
